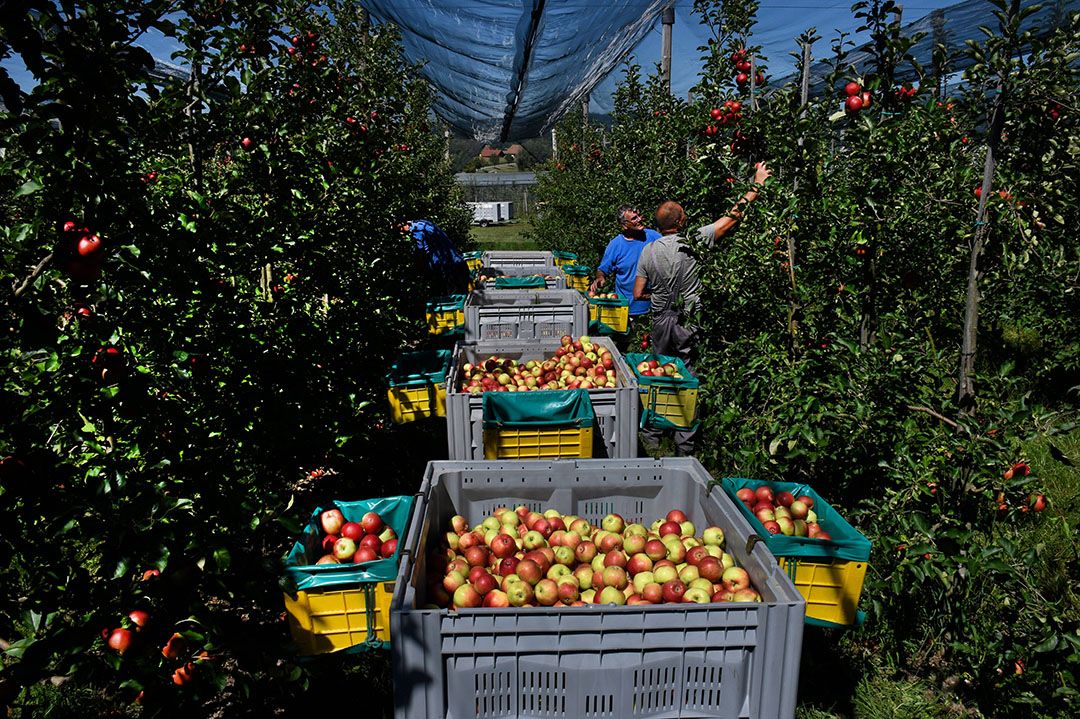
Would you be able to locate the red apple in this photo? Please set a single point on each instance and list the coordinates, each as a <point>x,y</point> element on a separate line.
<point>139,618</point>
<point>764,493</point>
<point>485,583</point>
<point>807,500</point>
<point>332,520</point>
<point>694,555</point>
<point>710,568</point>
<point>477,556</point>
<point>496,599</point>
<point>771,527</point>
<point>370,541</point>
<point>465,597</point>
<point>364,554</point>
<point>529,571</point>
<point>372,523</point>
<point>670,528</point>
<point>388,548</point>
<point>673,591</point>
<point>120,640</point>
<point>328,559</point>
<point>352,530</point>
<point>677,516</point>
<point>746,494</point>
<point>508,566</point>
<point>784,498</point>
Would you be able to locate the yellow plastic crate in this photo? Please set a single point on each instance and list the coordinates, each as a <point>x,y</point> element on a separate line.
<point>676,405</point>
<point>408,404</point>
<point>548,443</point>
<point>831,587</point>
<point>441,322</point>
<point>474,264</point>
<point>617,318</point>
<point>333,619</point>
<point>581,284</point>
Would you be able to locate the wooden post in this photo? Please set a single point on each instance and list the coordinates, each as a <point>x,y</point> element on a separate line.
<point>585,111</point>
<point>667,21</point>
<point>554,145</point>
<point>793,306</point>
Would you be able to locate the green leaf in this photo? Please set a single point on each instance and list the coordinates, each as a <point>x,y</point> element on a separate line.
<point>28,188</point>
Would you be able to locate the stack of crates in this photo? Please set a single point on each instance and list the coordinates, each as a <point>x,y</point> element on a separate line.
<point>525,315</point>
<point>525,277</point>
<point>474,260</point>
<point>609,316</point>
<point>616,408</point>
<point>729,659</point>
<point>342,607</point>
<point>563,258</point>
<point>829,573</point>
<point>446,315</point>
<point>577,277</point>
<point>511,259</point>
<point>418,385</point>
<point>666,402</point>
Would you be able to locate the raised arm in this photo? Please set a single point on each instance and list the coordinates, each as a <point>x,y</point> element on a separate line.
<point>728,221</point>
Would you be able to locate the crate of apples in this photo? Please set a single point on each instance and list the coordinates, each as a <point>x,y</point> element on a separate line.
<point>521,558</point>
<point>576,364</point>
<point>345,542</point>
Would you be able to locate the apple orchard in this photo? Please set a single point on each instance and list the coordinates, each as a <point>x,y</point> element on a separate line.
<point>204,290</point>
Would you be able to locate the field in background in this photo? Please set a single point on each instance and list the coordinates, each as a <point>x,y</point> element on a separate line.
<point>504,237</point>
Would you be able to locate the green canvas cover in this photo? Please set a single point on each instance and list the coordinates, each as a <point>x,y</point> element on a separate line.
<point>549,408</point>
<point>416,368</point>
<point>652,420</point>
<point>520,283</point>
<point>577,270</point>
<point>449,303</point>
<point>303,574</point>
<point>689,381</point>
<point>475,255</point>
<point>847,542</point>
<point>564,255</point>
<point>596,327</point>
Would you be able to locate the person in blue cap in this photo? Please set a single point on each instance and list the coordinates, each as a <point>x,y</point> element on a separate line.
<point>443,261</point>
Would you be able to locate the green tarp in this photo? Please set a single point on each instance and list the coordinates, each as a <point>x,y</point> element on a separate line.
<point>577,270</point>
<point>450,303</point>
<point>548,408</point>
<point>416,368</point>
<point>303,573</point>
<point>688,381</point>
<point>563,255</point>
<point>847,542</point>
<point>520,283</point>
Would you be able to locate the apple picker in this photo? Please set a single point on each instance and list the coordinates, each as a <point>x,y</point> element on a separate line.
<point>667,276</point>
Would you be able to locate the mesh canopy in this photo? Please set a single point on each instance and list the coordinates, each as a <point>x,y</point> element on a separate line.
<point>510,68</point>
<point>504,68</point>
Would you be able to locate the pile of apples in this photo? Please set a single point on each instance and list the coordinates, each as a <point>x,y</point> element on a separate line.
<point>783,513</point>
<point>856,98</point>
<point>355,542</point>
<point>604,295</point>
<point>576,365</point>
<point>521,558</point>
<point>653,368</point>
<point>740,60</point>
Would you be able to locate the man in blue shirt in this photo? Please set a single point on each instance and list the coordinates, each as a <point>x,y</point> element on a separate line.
<point>444,262</point>
<point>621,258</point>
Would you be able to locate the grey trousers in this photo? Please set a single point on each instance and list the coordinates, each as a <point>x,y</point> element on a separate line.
<point>671,338</point>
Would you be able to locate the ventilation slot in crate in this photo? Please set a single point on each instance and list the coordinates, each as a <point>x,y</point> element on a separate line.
<point>493,694</point>
<point>655,690</point>
<point>543,693</point>
<point>599,705</point>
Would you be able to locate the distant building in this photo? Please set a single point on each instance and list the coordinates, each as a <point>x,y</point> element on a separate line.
<point>489,153</point>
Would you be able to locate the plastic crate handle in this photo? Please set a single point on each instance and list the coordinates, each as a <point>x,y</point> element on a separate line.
<point>372,641</point>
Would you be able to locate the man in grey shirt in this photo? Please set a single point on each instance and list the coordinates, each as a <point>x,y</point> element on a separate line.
<point>667,275</point>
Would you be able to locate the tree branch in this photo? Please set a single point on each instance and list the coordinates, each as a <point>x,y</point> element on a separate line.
<point>933,414</point>
<point>25,284</point>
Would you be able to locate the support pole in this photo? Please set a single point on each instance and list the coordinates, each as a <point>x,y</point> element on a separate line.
<point>585,111</point>
<point>667,21</point>
<point>554,145</point>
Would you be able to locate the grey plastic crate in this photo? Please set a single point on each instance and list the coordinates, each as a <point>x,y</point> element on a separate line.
<point>727,660</point>
<point>518,258</point>
<point>617,408</point>
<point>525,314</point>
<point>555,279</point>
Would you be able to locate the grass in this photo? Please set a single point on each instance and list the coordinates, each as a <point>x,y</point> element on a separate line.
<point>504,237</point>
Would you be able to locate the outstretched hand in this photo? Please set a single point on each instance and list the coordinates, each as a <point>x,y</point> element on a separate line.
<point>761,173</point>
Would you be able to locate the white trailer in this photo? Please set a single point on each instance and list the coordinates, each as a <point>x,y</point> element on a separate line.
<point>490,213</point>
